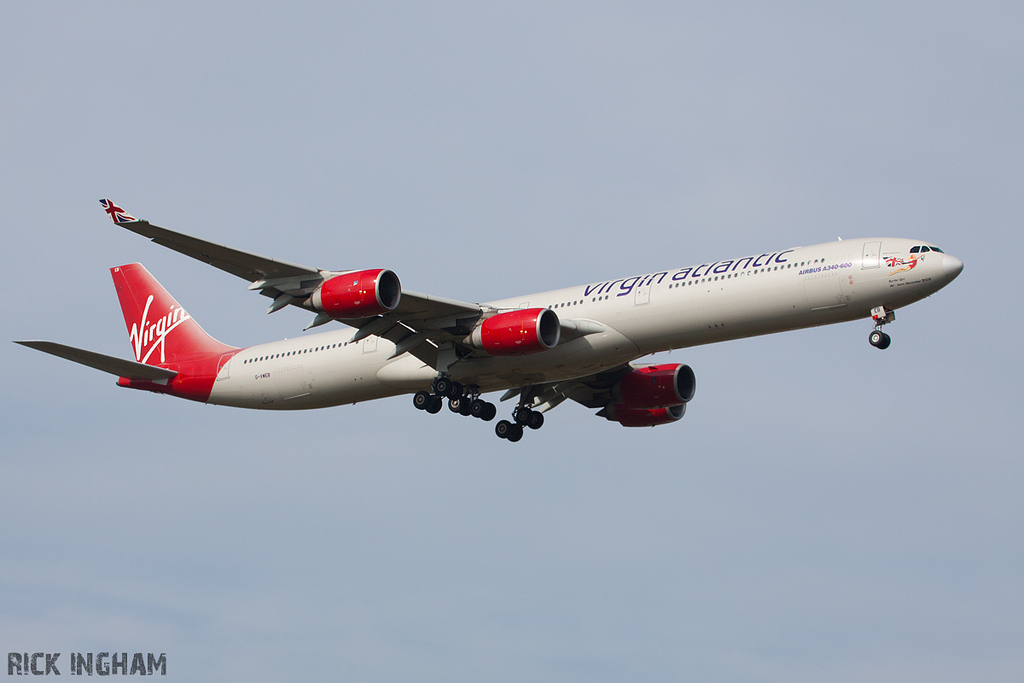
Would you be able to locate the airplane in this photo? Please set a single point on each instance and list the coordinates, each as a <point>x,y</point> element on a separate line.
<point>577,343</point>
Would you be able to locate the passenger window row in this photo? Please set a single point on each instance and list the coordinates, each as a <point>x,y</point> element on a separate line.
<point>290,353</point>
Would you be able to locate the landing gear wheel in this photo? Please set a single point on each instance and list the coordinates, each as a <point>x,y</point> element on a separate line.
<point>503,429</point>
<point>435,405</point>
<point>482,409</point>
<point>455,403</point>
<point>478,408</point>
<point>522,416</point>
<point>516,433</point>
<point>457,389</point>
<point>536,420</point>
<point>420,400</point>
<point>465,406</point>
<point>879,339</point>
<point>443,386</point>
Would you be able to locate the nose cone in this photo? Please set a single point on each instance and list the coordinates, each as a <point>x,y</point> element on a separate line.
<point>951,265</point>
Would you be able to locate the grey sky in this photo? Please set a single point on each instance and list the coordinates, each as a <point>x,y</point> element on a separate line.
<point>824,511</point>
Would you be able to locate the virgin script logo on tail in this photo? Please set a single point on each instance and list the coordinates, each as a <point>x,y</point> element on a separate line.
<point>146,335</point>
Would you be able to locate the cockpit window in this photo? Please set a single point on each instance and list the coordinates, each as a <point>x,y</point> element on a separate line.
<point>938,250</point>
<point>915,250</point>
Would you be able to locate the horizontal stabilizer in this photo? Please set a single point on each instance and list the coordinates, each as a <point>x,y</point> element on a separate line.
<point>115,366</point>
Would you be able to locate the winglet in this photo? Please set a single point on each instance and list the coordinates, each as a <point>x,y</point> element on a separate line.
<point>116,213</point>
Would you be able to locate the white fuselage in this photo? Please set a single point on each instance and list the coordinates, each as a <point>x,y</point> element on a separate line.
<point>672,309</point>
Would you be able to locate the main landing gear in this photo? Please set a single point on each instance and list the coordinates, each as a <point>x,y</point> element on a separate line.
<point>524,417</point>
<point>466,401</point>
<point>881,316</point>
<point>460,400</point>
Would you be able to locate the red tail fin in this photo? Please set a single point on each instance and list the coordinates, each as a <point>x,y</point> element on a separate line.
<point>158,327</point>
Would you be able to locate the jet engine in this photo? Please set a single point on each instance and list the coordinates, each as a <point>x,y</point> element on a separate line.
<point>359,294</point>
<point>517,333</point>
<point>656,386</point>
<point>642,417</point>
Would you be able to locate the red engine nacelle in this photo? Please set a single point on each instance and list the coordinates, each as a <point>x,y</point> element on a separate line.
<point>359,294</point>
<point>642,417</point>
<point>656,386</point>
<point>517,333</point>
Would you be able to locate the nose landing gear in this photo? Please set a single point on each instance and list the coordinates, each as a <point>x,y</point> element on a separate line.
<point>879,339</point>
<point>882,316</point>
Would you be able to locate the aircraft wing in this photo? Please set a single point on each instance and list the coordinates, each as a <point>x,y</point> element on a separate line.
<point>433,318</point>
<point>251,267</point>
<point>112,364</point>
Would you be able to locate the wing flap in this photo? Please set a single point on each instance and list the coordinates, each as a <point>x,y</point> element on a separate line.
<point>426,307</point>
<point>592,391</point>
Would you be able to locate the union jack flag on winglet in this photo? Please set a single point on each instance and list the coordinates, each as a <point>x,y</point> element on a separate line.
<point>116,213</point>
